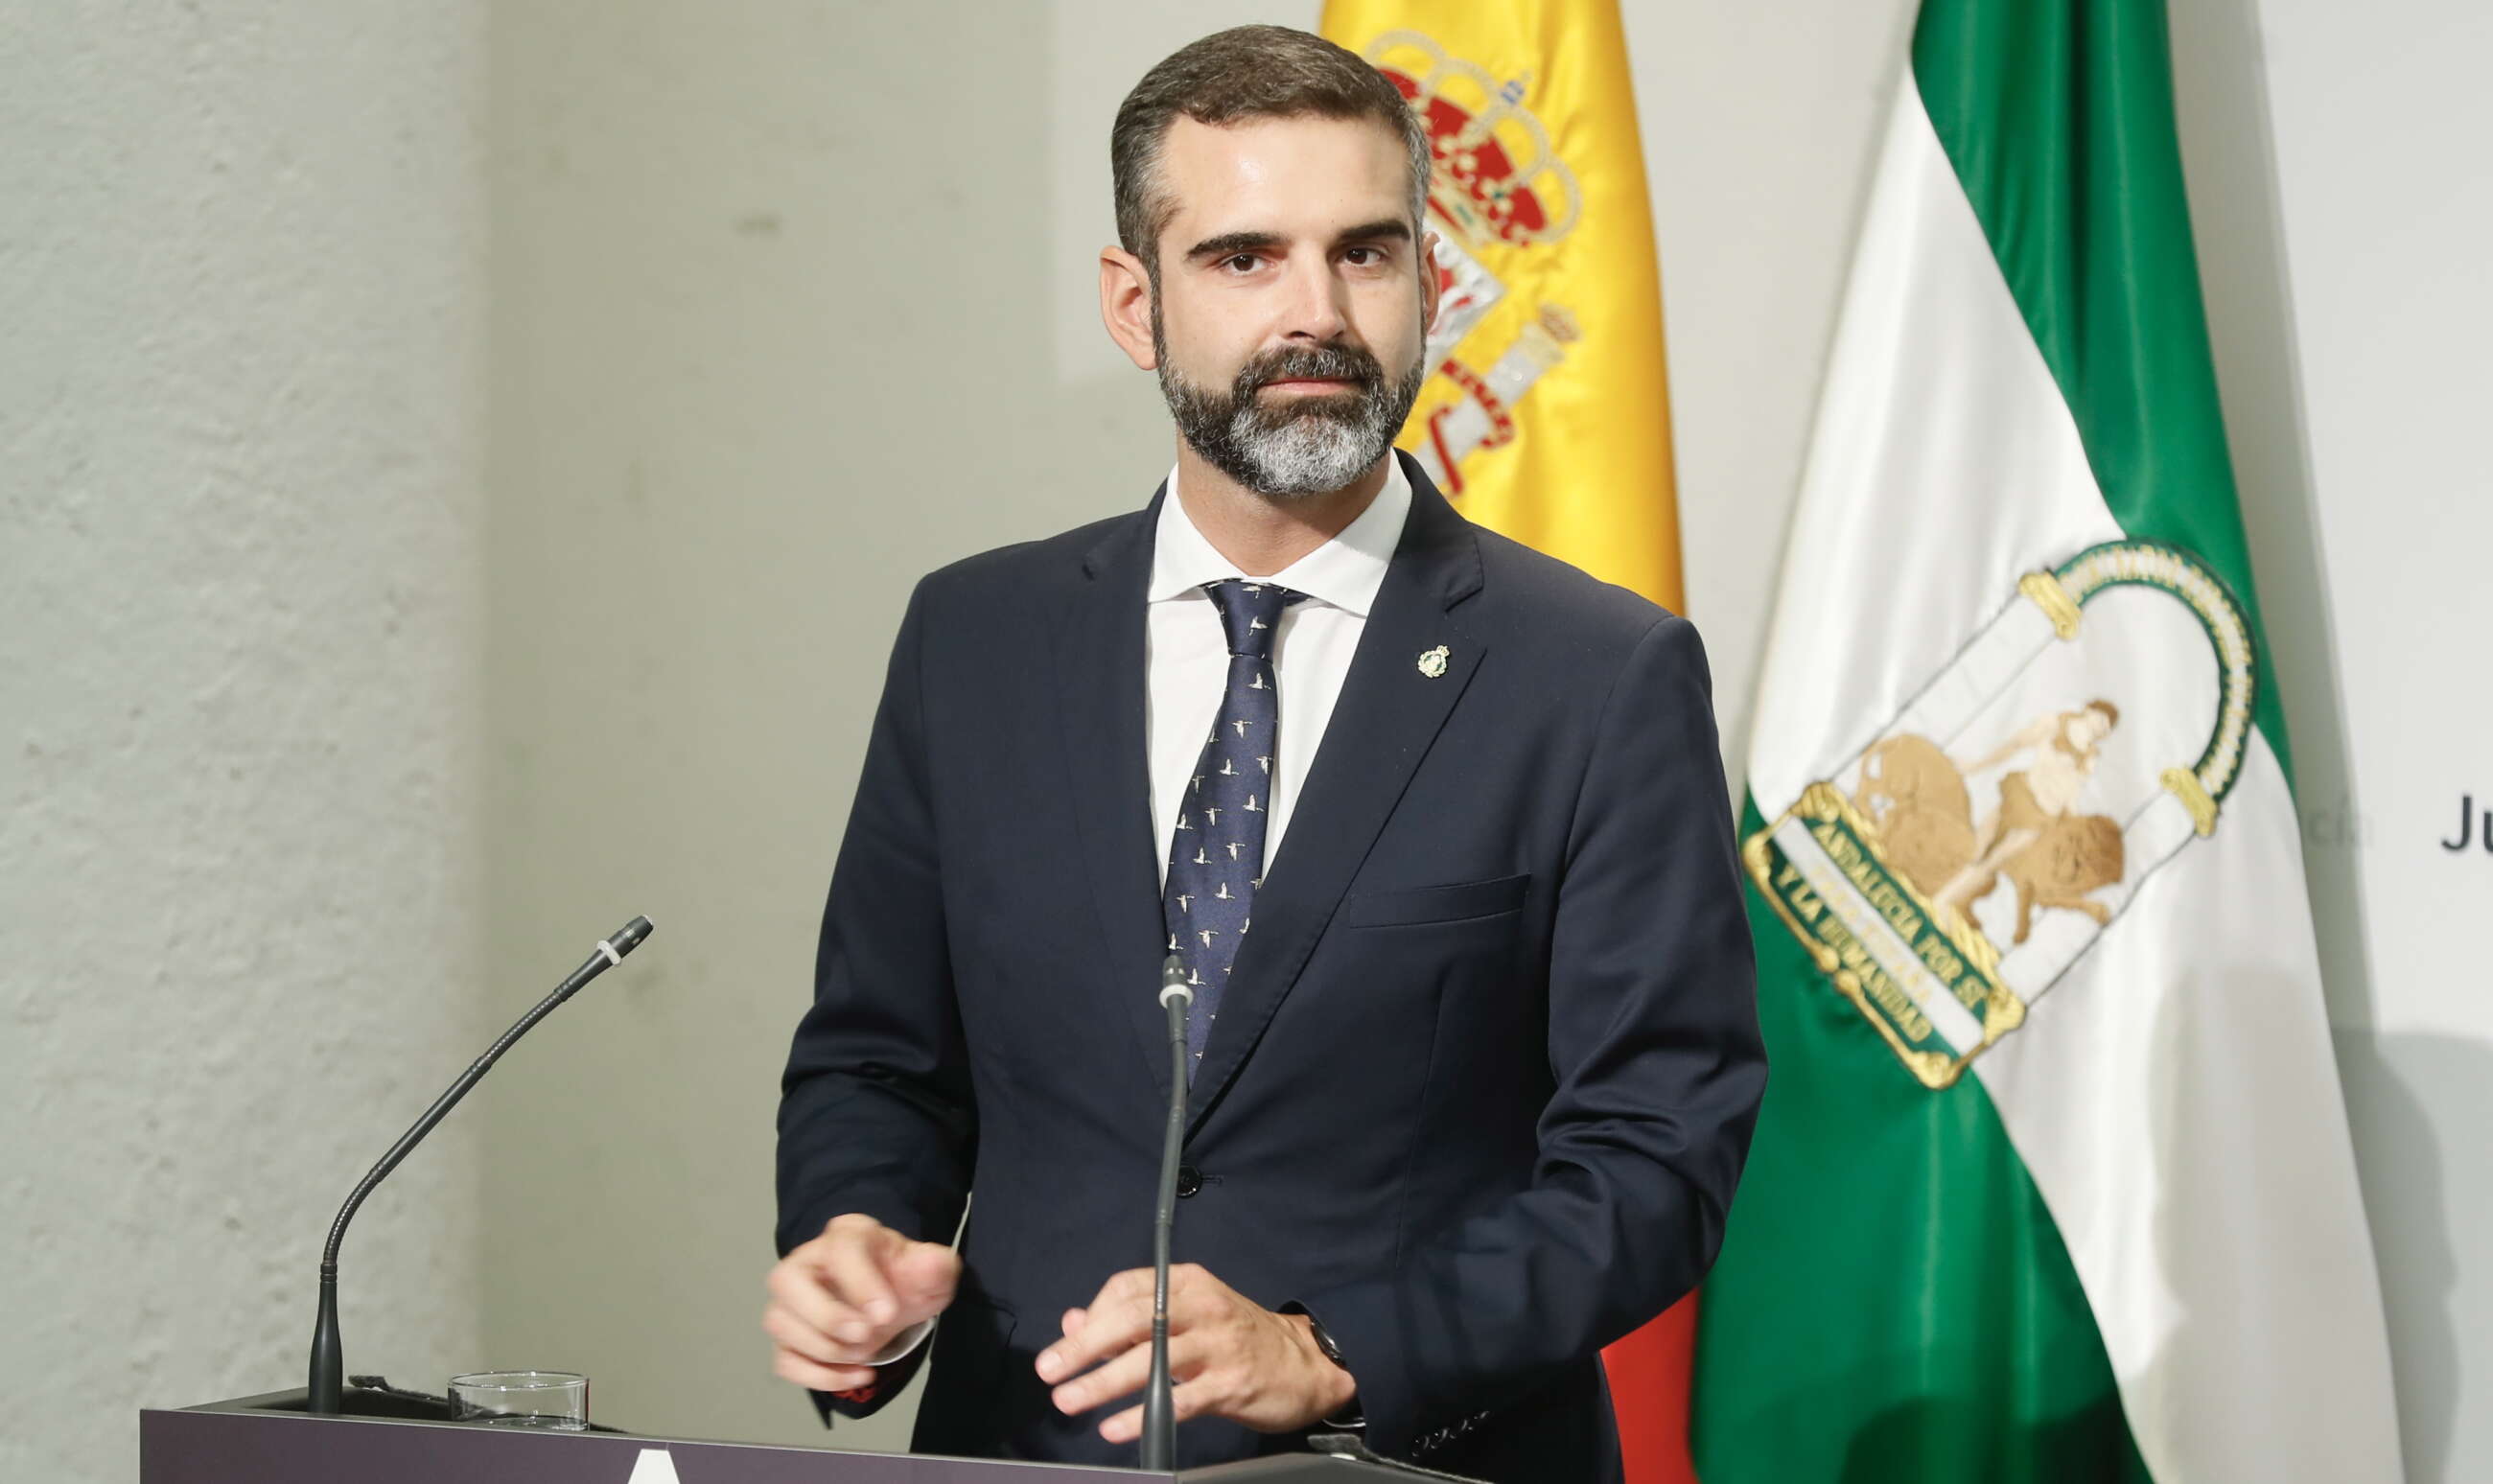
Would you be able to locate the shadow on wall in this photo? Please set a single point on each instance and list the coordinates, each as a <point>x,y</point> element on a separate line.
<point>2399,1089</point>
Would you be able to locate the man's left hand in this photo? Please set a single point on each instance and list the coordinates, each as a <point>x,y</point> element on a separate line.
<point>1229,1358</point>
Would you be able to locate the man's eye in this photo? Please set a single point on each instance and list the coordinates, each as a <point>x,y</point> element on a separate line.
<point>1238,262</point>
<point>1364,257</point>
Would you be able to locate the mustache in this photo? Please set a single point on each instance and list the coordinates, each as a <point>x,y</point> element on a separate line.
<point>1309,362</point>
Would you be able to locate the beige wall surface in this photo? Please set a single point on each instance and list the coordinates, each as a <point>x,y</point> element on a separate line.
<point>241,493</point>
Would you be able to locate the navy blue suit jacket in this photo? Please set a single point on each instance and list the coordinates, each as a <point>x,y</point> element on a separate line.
<point>1483,1078</point>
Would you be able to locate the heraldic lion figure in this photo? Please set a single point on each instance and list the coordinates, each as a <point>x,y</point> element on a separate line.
<point>1916,799</point>
<point>2070,855</point>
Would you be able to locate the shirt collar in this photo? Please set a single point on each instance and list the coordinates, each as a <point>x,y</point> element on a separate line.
<point>1345,572</point>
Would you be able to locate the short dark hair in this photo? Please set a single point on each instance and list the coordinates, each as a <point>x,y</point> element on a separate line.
<point>1245,72</point>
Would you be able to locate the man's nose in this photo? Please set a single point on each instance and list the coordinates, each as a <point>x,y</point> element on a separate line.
<point>1315,309</point>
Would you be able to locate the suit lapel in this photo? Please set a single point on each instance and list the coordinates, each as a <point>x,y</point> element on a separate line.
<point>1099,645</point>
<point>1389,713</point>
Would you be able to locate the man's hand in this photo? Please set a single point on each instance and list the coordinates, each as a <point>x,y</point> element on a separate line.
<point>840,1300</point>
<point>1229,1358</point>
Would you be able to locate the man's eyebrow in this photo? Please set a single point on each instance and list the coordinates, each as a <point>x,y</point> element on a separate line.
<point>1234,242</point>
<point>1382,230</point>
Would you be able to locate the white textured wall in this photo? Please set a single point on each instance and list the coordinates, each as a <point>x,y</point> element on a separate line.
<point>241,278</point>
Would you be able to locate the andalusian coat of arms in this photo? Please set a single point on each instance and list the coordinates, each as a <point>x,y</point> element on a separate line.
<point>1949,874</point>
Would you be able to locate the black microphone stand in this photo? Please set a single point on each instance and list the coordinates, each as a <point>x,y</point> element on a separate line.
<point>328,1362</point>
<point>1159,1402</point>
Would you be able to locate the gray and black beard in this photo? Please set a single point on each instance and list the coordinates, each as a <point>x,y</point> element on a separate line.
<point>1306,445</point>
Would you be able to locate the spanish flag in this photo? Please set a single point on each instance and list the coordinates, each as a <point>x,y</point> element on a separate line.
<point>1546,416</point>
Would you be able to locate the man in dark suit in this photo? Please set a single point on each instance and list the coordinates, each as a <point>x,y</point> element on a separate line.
<point>1437,825</point>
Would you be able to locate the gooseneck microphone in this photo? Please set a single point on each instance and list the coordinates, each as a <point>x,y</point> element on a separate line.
<point>1159,1403</point>
<point>328,1364</point>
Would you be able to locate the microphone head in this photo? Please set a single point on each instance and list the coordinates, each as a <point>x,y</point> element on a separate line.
<point>629,936</point>
<point>1173,984</point>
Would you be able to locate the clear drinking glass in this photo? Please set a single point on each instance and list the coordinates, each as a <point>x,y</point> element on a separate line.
<point>546,1399</point>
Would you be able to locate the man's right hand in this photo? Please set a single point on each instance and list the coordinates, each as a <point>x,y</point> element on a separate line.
<point>839,1300</point>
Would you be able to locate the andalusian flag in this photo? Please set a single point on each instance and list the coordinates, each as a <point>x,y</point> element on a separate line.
<point>1546,416</point>
<point>2053,1181</point>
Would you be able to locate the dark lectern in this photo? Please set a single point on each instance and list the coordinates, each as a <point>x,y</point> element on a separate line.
<point>385,1440</point>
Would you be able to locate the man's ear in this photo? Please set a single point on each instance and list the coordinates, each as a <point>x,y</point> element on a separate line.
<point>1432,288</point>
<point>1126,306</point>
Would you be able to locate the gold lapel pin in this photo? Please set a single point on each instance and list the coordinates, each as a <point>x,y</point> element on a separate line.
<point>1432,662</point>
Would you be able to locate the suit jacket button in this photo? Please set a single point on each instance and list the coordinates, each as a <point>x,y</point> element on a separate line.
<point>1188,1180</point>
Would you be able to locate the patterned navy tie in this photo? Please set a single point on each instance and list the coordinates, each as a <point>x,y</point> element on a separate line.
<point>1216,848</point>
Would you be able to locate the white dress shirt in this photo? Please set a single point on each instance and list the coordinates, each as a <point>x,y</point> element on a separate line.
<point>1186,653</point>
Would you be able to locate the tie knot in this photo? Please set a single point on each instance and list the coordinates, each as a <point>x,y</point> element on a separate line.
<point>1250,612</point>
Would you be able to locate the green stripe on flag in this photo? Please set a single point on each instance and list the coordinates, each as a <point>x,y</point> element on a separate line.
<point>2058,115</point>
<point>1893,1304</point>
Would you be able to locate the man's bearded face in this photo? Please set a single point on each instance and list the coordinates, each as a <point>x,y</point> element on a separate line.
<point>1288,445</point>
